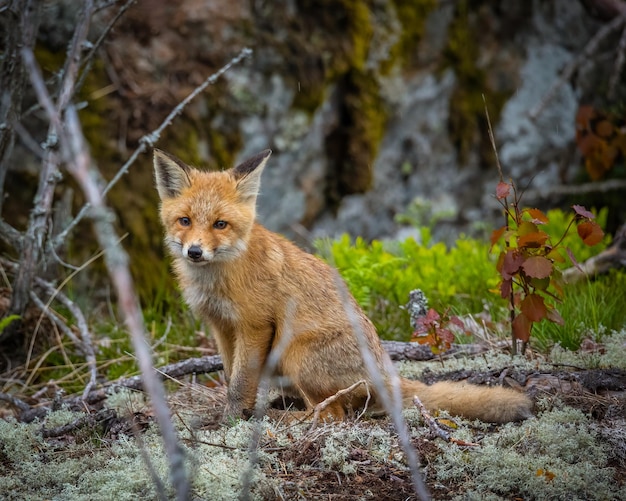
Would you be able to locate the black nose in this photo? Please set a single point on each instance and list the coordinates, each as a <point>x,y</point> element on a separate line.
<point>195,252</point>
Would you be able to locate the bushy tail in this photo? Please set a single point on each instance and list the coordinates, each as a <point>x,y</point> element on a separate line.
<point>490,404</point>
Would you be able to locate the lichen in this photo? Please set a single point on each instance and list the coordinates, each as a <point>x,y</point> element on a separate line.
<point>556,456</point>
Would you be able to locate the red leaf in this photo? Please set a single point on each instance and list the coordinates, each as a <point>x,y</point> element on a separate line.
<point>511,263</point>
<point>590,232</point>
<point>537,216</point>
<point>496,235</point>
<point>502,190</point>
<point>521,327</point>
<point>555,316</point>
<point>537,267</point>
<point>533,240</point>
<point>581,211</point>
<point>446,336</point>
<point>432,316</point>
<point>505,288</point>
<point>533,307</point>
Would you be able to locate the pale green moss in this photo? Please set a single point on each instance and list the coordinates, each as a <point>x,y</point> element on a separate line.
<point>611,356</point>
<point>557,456</point>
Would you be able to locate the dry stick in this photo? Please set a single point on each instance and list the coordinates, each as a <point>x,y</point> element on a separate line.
<point>333,398</point>
<point>150,139</point>
<point>33,240</point>
<point>79,164</point>
<point>392,403</point>
<point>16,402</point>
<point>116,259</point>
<point>435,428</point>
<point>506,221</point>
<point>568,71</point>
<point>86,342</point>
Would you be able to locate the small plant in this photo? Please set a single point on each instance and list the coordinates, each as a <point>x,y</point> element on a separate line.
<point>530,281</point>
<point>434,330</point>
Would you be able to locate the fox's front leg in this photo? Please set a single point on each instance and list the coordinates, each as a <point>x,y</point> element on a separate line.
<point>250,354</point>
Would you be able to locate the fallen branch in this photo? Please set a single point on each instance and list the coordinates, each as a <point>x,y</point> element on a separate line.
<point>89,420</point>
<point>15,402</point>
<point>399,350</point>
<point>436,428</point>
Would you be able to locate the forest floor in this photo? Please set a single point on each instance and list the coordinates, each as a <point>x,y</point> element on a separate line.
<point>574,447</point>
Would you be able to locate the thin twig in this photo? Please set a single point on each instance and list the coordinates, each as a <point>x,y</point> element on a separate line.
<point>619,65</point>
<point>333,398</point>
<point>435,428</point>
<point>269,369</point>
<point>391,400</point>
<point>492,140</point>
<point>79,163</point>
<point>150,139</point>
<point>86,341</point>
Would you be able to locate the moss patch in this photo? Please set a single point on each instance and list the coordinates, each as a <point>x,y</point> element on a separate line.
<point>467,123</point>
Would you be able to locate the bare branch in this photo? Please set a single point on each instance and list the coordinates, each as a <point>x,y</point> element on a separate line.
<point>15,402</point>
<point>10,235</point>
<point>150,139</point>
<point>391,400</point>
<point>79,163</point>
<point>86,342</point>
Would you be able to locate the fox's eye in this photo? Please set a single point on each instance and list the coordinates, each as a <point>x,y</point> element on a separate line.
<point>184,221</point>
<point>220,225</point>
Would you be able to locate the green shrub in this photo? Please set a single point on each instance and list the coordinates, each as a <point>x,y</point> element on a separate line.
<point>462,277</point>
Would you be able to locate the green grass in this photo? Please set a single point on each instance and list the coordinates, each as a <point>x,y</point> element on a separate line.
<point>590,309</point>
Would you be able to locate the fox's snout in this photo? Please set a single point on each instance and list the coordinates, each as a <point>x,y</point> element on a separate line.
<point>194,253</point>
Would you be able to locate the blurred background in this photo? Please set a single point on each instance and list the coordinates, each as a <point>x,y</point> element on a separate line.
<point>374,110</point>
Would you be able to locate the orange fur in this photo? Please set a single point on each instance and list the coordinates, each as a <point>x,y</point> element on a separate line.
<point>254,287</point>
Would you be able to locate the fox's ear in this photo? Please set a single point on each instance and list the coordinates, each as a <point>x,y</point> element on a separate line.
<point>170,174</point>
<point>248,175</point>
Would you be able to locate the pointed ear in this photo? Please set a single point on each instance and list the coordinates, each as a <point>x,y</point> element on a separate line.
<point>248,175</point>
<point>170,174</point>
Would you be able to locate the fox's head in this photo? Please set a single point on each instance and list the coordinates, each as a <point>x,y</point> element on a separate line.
<point>207,216</point>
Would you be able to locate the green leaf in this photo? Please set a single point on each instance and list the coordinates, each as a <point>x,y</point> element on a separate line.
<point>6,321</point>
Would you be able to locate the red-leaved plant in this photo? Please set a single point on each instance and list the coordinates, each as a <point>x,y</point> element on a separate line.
<point>433,329</point>
<point>526,261</point>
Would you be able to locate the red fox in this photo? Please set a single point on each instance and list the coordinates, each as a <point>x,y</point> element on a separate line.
<point>254,288</point>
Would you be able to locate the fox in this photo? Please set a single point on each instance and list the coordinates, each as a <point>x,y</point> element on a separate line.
<point>259,292</point>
